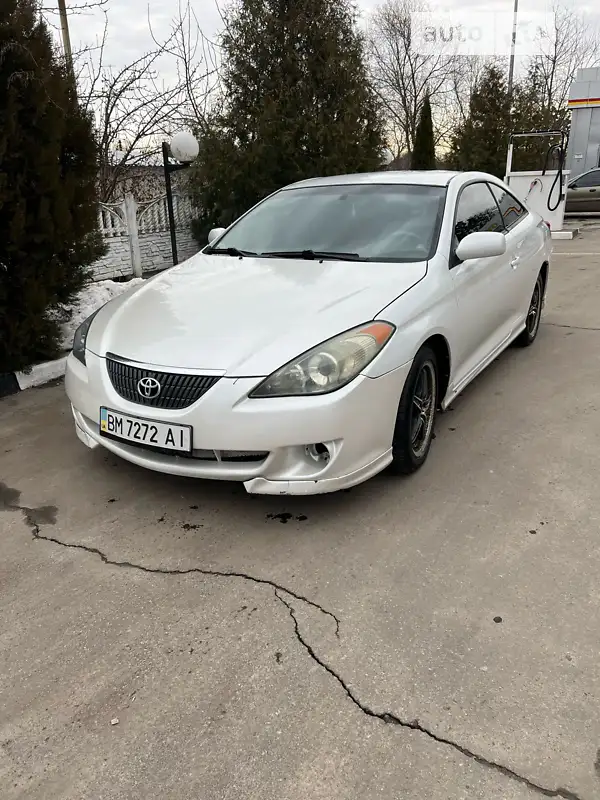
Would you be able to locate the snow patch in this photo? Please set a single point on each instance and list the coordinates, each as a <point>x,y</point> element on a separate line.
<point>88,300</point>
<point>42,373</point>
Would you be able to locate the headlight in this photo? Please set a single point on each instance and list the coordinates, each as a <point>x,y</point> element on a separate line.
<point>330,365</point>
<point>80,337</point>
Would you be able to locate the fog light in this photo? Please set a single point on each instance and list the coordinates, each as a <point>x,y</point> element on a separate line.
<point>318,452</point>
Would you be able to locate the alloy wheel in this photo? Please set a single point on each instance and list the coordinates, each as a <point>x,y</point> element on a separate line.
<point>535,309</point>
<point>423,409</point>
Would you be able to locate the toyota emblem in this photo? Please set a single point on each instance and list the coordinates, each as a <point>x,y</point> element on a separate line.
<point>148,388</point>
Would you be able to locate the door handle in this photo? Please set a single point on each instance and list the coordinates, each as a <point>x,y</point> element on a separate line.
<point>592,190</point>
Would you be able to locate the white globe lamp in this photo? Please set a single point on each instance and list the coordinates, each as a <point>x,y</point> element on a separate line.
<point>184,147</point>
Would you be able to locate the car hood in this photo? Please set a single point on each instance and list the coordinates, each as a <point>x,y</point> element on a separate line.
<point>244,316</point>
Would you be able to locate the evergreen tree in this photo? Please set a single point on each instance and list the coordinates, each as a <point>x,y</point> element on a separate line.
<point>48,210</point>
<point>423,154</point>
<point>481,142</point>
<point>531,111</point>
<point>298,104</point>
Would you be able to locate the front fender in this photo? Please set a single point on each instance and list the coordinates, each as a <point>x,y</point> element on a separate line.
<point>427,310</point>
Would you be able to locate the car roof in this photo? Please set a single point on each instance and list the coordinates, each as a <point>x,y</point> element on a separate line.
<point>433,177</point>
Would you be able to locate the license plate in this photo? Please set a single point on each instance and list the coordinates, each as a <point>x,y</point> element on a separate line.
<point>148,432</point>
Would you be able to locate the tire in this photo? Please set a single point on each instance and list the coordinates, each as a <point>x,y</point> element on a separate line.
<point>410,446</point>
<point>534,315</point>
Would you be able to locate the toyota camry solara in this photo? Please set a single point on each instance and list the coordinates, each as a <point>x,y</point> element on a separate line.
<point>310,344</point>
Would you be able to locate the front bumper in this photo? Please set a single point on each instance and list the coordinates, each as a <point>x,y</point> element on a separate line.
<point>261,442</point>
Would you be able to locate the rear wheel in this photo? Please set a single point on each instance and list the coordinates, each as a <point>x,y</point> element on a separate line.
<point>534,315</point>
<point>415,420</point>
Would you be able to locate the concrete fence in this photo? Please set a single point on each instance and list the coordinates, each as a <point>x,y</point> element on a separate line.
<point>137,235</point>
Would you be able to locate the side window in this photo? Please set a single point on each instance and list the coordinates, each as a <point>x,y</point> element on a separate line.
<point>477,211</point>
<point>588,179</point>
<point>512,210</point>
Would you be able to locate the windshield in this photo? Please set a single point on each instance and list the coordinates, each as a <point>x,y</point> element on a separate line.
<point>372,222</point>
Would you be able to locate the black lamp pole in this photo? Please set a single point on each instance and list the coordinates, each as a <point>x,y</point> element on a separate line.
<point>169,167</point>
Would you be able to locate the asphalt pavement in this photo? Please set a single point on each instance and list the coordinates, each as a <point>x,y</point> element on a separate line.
<point>430,638</point>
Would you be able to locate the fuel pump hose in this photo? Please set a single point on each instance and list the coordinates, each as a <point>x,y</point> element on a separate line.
<point>558,178</point>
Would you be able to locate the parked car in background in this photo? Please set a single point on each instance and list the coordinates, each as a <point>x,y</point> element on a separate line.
<point>310,344</point>
<point>583,192</point>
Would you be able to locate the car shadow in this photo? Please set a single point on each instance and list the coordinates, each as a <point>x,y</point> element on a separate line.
<point>233,498</point>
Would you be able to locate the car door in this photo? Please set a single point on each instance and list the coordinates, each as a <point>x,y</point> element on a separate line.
<point>524,246</point>
<point>583,194</point>
<point>481,286</point>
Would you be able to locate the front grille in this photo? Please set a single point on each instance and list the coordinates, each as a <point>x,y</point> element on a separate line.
<point>176,391</point>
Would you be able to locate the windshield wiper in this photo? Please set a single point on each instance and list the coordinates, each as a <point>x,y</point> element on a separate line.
<point>228,251</point>
<point>313,255</point>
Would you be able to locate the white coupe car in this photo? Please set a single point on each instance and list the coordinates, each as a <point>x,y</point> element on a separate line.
<point>310,344</point>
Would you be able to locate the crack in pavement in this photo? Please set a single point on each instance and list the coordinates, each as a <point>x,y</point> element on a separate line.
<point>415,725</point>
<point>188,571</point>
<point>35,517</point>
<point>572,327</point>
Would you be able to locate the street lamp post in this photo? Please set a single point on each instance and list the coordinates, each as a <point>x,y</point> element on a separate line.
<point>183,148</point>
<point>513,46</point>
<point>66,40</point>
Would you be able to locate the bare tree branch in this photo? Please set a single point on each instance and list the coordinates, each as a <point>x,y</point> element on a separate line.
<point>138,105</point>
<point>196,63</point>
<point>76,8</point>
<point>570,42</point>
<point>402,76</point>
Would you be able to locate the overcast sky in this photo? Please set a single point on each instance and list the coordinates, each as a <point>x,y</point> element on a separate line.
<point>129,37</point>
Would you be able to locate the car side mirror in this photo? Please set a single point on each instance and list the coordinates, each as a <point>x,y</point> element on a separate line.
<point>481,244</point>
<point>214,234</point>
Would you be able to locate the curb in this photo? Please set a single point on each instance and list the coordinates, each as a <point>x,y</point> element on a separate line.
<point>13,382</point>
<point>570,233</point>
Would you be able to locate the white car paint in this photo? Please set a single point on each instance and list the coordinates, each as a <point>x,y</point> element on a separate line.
<point>241,319</point>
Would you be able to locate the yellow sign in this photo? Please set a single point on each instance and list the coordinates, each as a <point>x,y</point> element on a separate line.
<point>590,102</point>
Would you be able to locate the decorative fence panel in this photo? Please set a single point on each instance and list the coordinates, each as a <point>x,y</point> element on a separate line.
<point>138,238</point>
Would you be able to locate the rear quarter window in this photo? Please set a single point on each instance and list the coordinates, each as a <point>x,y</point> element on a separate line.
<point>512,210</point>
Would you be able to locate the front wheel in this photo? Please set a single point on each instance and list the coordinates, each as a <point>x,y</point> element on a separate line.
<point>534,315</point>
<point>415,420</point>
